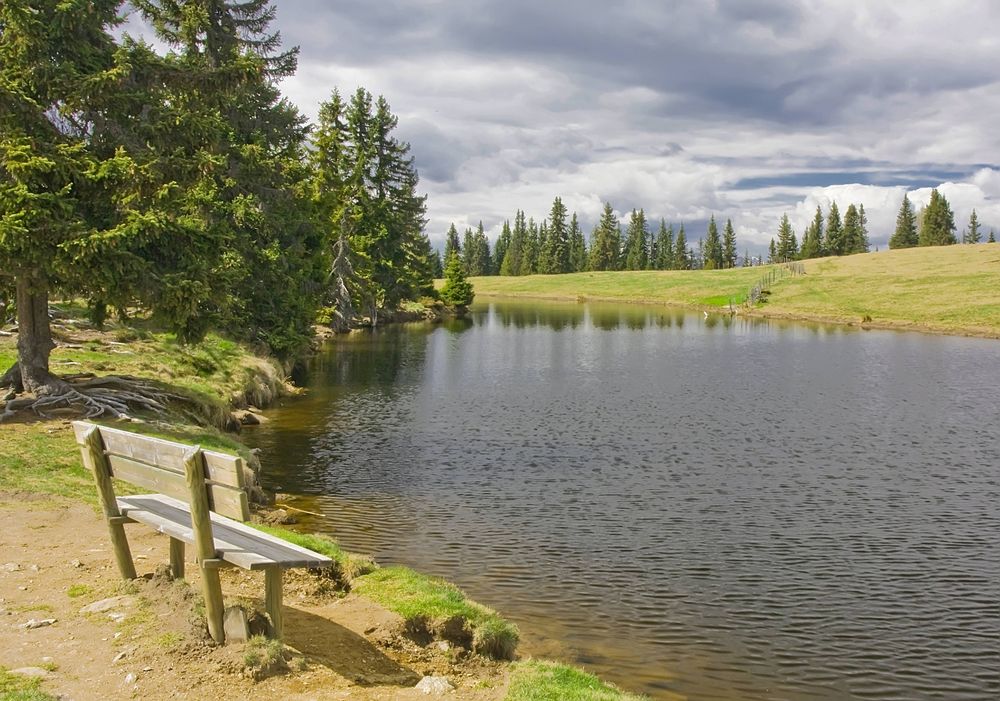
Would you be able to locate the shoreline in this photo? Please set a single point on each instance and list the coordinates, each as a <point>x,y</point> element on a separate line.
<point>757,312</point>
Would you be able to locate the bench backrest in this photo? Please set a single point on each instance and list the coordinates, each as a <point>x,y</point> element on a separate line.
<point>159,465</point>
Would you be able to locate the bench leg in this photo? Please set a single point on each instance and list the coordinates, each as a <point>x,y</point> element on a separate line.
<point>214,610</point>
<point>272,599</point>
<point>123,555</point>
<point>176,558</point>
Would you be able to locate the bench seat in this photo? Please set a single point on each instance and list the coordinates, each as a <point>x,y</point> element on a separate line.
<point>235,542</point>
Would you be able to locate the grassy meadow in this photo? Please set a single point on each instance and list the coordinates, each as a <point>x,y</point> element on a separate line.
<point>943,289</point>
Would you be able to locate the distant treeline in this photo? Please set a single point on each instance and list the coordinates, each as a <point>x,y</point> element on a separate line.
<point>556,245</point>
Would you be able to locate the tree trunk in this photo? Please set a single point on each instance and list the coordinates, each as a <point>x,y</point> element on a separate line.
<point>34,337</point>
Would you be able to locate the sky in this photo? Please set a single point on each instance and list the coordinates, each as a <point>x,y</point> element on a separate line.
<point>741,109</point>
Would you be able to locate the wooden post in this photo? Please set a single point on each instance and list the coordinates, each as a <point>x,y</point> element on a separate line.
<point>176,558</point>
<point>95,460</point>
<point>272,599</point>
<point>201,523</point>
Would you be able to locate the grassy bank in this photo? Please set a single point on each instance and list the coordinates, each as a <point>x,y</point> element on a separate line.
<point>684,288</point>
<point>945,289</point>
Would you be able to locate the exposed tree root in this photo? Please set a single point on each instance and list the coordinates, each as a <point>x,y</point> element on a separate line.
<point>12,379</point>
<point>111,396</point>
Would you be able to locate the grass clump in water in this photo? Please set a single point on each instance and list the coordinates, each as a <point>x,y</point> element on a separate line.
<point>432,605</point>
<point>534,680</point>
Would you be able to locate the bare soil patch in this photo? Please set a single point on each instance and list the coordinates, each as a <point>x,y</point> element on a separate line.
<point>147,640</point>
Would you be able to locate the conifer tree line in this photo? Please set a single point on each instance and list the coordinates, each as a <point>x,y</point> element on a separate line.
<point>181,183</point>
<point>933,225</point>
<point>558,244</point>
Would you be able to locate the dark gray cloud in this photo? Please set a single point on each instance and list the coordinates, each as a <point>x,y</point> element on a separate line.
<point>744,108</point>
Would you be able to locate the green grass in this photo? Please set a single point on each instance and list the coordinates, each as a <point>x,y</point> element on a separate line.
<point>349,565</point>
<point>43,458</point>
<point>685,288</point>
<point>430,603</point>
<point>533,680</point>
<point>15,687</point>
<point>947,289</point>
<point>78,590</point>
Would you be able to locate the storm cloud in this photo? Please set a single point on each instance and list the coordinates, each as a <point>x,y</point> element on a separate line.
<point>738,108</point>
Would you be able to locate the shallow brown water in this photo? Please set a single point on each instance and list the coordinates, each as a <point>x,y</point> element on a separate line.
<point>706,508</point>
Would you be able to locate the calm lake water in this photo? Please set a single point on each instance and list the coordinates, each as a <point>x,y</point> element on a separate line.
<point>708,508</point>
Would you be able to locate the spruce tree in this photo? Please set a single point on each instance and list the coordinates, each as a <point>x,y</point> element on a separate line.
<point>852,239</point>
<point>972,233</point>
<point>636,242</point>
<point>712,254</point>
<point>905,235</point>
<point>512,263</point>
<point>558,240</point>
<point>543,265</point>
<point>682,259</point>
<point>787,246</point>
<point>812,239</point>
<point>457,290</point>
<point>606,242</point>
<point>937,224</point>
<point>772,253</point>
<point>665,258</point>
<point>452,243</point>
<point>992,238</point>
<point>833,242</point>
<point>865,246</point>
<point>500,248</point>
<point>529,257</point>
<point>577,246</point>
<point>729,245</point>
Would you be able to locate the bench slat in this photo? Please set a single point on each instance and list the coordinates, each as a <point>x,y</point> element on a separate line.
<point>226,501</point>
<point>237,543</point>
<point>219,467</point>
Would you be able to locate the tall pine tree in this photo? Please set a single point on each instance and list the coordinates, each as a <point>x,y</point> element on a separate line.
<point>905,235</point>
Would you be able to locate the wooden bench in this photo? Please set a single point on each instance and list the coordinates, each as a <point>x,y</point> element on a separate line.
<point>200,501</point>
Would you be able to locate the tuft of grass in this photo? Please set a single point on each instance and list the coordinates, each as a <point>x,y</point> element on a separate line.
<point>78,590</point>
<point>534,680</point>
<point>263,656</point>
<point>349,565</point>
<point>429,602</point>
<point>16,687</point>
<point>168,641</point>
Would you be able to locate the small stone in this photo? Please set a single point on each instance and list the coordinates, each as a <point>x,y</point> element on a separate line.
<point>434,685</point>
<point>33,568</point>
<point>119,657</point>
<point>444,646</point>
<point>38,623</point>
<point>38,672</point>
<point>11,567</point>
<point>235,625</point>
<point>130,678</point>
<point>117,616</point>
<point>106,604</point>
<point>46,660</point>
<point>147,669</point>
<point>76,563</point>
<point>22,588</point>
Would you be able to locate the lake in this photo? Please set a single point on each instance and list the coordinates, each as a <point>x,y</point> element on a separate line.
<point>689,506</point>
